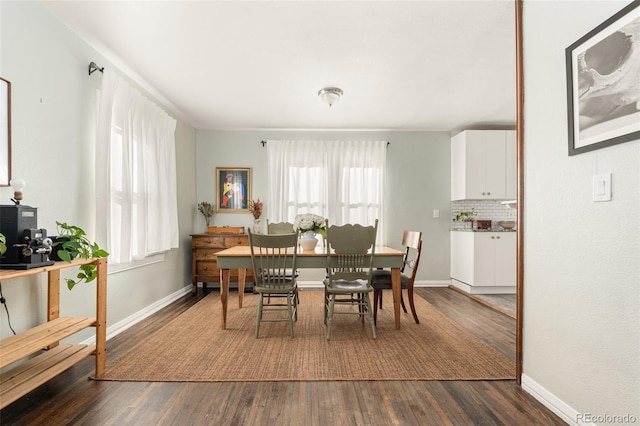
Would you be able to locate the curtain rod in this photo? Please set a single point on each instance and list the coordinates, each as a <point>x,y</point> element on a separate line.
<point>93,67</point>
<point>265,142</point>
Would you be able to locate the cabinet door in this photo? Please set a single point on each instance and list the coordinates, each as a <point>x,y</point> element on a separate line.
<point>494,166</point>
<point>505,259</point>
<point>458,167</point>
<point>483,165</point>
<point>511,178</point>
<point>461,259</point>
<point>484,259</point>
<point>476,165</point>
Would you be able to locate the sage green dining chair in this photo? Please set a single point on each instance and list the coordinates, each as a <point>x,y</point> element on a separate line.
<point>350,250</point>
<point>272,256</point>
<point>381,280</point>
<point>280,228</point>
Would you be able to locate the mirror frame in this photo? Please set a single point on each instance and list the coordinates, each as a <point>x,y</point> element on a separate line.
<point>5,132</point>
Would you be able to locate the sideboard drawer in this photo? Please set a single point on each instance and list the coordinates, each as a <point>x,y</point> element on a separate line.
<point>236,240</point>
<point>209,242</point>
<point>205,254</point>
<point>205,268</point>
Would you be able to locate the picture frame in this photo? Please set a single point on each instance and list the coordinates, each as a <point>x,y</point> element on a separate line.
<point>5,132</point>
<point>233,189</point>
<point>601,68</point>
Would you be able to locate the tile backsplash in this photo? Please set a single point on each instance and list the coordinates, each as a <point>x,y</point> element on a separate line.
<point>487,210</point>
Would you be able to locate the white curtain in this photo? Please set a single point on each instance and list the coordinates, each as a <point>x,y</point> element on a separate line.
<point>340,180</point>
<point>137,209</point>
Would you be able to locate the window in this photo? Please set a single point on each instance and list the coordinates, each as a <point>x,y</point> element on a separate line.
<point>135,174</point>
<point>340,180</point>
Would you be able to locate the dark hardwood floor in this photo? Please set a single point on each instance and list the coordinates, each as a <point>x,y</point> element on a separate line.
<point>71,398</point>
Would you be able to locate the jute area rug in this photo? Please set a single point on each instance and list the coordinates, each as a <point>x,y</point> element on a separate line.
<point>194,348</point>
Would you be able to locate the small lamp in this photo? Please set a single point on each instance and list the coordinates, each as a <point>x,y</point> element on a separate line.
<point>330,95</point>
<point>18,185</point>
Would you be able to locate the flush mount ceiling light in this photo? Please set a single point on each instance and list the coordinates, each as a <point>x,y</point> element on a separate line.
<point>330,95</point>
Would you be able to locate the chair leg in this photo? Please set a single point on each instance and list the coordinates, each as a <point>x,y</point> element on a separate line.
<point>380,297</point>
<point>259,315</point>
<point>291,312</point>
<point>326,305</point>
<point>376,297</point>
<point>413,308</point>
<point>367,302</point>
<point>330,316</point>
<point>404,308</point>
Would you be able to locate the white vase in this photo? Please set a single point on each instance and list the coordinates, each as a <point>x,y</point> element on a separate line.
<point>308,241</point>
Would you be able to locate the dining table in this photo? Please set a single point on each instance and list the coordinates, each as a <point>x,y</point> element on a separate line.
<point>239,257</point>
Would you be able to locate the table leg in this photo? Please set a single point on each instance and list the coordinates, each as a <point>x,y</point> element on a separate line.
<point>242,276</point>
<point>225,274</point>
<point>396,286</point>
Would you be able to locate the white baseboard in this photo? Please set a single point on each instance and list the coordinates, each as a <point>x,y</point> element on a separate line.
<point>131,320</point>
<point>552,402</point>
<point>431,283</point>
<point>482,289</point>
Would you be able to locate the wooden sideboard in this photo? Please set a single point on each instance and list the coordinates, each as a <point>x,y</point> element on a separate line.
<point>22,378</point>
<point>204,268</point>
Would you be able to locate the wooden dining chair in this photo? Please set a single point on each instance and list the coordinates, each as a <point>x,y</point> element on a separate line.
<point>350,251</point>
<point>272,256</point>
<point>381,280</point>
<point>280,228</point>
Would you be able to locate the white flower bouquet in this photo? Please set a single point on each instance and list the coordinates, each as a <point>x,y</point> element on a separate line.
<point>310,222</point>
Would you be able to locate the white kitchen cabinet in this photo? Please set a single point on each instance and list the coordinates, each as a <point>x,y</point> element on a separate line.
<point>483,165</point>
<point>483,262</point>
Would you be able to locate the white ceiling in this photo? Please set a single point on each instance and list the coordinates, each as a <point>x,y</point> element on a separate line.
<point>410,65</point>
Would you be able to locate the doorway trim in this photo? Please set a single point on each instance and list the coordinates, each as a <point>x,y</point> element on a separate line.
<point>520,187</point>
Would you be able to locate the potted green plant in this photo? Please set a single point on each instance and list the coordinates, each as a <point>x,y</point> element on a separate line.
<point>71,243</point>
<point>465,216</point>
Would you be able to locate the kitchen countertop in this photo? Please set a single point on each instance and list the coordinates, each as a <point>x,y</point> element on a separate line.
<point>483,230</point>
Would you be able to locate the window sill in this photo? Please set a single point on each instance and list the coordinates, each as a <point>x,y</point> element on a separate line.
<point>150,260</point>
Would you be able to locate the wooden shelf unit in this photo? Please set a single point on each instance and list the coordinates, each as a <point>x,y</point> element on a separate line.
<point>54,357</point>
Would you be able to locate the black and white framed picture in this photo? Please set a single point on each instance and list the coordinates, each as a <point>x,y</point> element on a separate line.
<point>603,83</point>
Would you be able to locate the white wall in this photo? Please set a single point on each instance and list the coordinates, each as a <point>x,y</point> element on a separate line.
<point>582,258</point>
<point>53,118</point>
<point>418,181</point>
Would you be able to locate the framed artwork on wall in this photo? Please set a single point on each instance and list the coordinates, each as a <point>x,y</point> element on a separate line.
<point>233,189</point>
<point>5,132</point>
<point>603,83</point>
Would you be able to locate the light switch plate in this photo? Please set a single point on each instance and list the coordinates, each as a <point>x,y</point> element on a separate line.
<point>602,187</point>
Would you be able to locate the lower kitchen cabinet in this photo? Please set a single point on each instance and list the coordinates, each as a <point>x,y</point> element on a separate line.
<point>483,262</point>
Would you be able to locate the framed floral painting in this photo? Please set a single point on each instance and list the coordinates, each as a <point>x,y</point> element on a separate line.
<point>233,189</point>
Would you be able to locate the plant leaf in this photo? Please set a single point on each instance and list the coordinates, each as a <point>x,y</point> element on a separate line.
<point>70,283</point>
<point>64,255</point>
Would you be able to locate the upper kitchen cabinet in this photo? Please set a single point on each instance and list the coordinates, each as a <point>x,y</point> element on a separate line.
<point>483,165</point>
